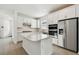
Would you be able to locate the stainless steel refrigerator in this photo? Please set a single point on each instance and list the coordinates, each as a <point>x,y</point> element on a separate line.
<point>69,29</point>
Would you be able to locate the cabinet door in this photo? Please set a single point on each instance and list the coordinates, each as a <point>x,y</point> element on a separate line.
<point>55,41</point>
<point>50,20</point>
<point>53,18</point>
<point>70,11</point>
<point>44,24</point>
<point>77,10</point>
<point>60,41</point>
<point>19,21</point>
<point>39,23</point>
<point>61,14</point>
<point>35,24</point>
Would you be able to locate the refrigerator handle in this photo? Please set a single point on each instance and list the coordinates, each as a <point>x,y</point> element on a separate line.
<point>64,35</point>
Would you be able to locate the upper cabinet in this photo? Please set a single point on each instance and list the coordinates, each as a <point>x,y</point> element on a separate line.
<point>44,23</point>
<point>19,21</point>
<point>61,14</point>
<point>35,23</point>
<point>53,17</point>
<point>77,10</point>
<point>23,20</point>
<point>68,12</point>
<point>65,13</point>
<point>49,18</point>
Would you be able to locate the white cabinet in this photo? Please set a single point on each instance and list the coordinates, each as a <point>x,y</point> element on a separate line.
<point>19,37</point>
<point>27,20</point>
<point>19,21</point>
<point>60,41</point>
<point>44,24</point>
<point>77,10</point>
<point>23,19</point>
<point>68,12</point>
<point>50,21</point>
<point>39,23</point>
<point>53,18</point>
<point>55,41</point>
<point>61,14</point>
<point>35,23</point>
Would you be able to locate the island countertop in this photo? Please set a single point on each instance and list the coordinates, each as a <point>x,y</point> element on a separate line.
<point>34,36</point>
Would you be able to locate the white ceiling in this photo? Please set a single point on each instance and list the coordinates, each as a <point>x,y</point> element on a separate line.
<point>33,10</point>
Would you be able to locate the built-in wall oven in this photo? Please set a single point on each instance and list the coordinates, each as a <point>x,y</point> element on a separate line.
<point>53,30</point>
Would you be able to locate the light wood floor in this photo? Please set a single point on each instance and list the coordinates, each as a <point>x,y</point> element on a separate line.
<point>7,47</point>
<point>61,51</point>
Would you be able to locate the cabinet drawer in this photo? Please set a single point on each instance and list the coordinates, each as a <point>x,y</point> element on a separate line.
<point>54,41</point>
<point>60,43</point>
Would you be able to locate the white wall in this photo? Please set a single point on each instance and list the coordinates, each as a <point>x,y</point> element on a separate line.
<point>5,31</point>
<point>5,19</point>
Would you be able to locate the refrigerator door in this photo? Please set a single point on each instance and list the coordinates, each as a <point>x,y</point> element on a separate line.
<point>71,34</point>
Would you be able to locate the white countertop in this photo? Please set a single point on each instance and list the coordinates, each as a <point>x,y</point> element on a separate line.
<point>34,36</point>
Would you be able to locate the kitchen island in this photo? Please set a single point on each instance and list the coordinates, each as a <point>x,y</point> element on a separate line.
<point>37,43</point>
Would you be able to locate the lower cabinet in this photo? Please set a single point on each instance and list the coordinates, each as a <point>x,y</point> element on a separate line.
<point>60,41</point>
<point>19,37</point>
<point>55,41</point>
